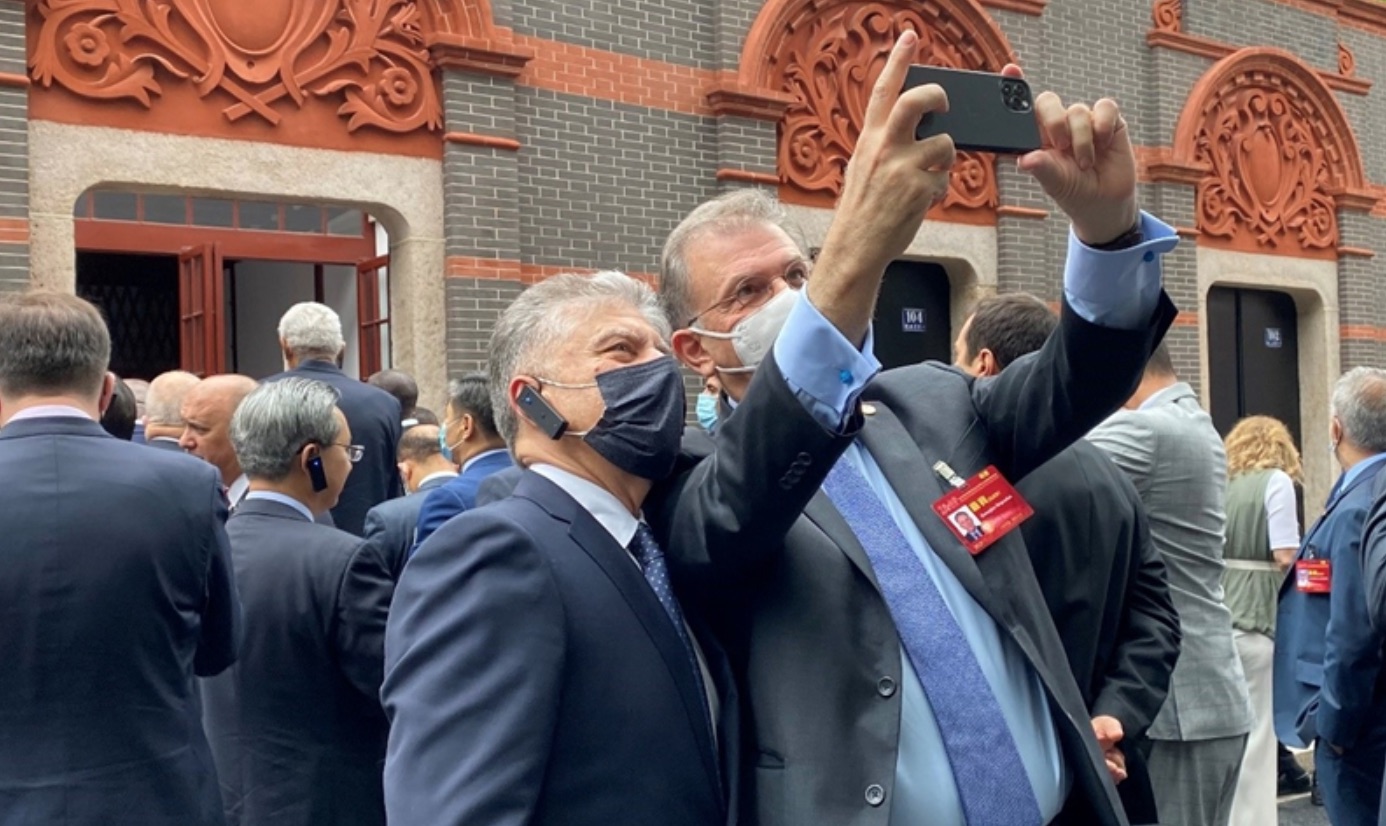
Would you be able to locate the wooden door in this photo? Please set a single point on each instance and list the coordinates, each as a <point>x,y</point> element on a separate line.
<point>202,320</point>
<point>373,314</point>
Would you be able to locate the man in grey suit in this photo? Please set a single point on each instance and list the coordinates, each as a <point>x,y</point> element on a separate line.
<point>296,725</point>
<point>163,409</point>
<point>891,676</point>
<point>422,467</point>
<point>1167,445</point>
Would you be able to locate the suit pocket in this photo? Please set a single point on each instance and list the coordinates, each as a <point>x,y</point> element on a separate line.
<point>768,792</point>
<point>1309,673</point>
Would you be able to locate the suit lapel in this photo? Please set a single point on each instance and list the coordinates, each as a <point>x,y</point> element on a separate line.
<point>883,436</point>
<point>625,574</point>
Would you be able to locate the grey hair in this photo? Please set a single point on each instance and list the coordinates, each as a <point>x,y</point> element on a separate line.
<point>310,330</point>
<point>734,210</point>
<point>52,343</point>
<point>272,424</point>
<point>543,317</point>
<point>1359,402</point>
<point>163,404</point>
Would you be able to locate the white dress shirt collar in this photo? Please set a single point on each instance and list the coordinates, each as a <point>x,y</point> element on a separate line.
<point>237,491</point>
<point>596,500</point>
<point>283,499</point>
<point>51,411</point>
<point>442,474</point>
<point>480,456</point>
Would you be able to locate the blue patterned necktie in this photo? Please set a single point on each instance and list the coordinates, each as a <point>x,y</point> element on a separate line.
<point>651,559</point>
<point>991,779</point>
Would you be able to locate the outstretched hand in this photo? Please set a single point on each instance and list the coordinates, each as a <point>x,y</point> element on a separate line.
<point>1086,165</point>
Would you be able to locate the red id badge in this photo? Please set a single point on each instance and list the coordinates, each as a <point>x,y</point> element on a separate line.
<point>983,510</point>
<point>1314,576</point>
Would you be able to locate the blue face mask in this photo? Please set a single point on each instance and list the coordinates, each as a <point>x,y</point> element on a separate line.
<point>443,446</point>
<point>707,411</point>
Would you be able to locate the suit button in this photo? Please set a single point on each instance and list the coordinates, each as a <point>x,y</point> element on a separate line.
<point>885,687</point>
<point>875,795</point>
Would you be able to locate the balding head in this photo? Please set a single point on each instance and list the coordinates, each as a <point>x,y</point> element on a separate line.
<point>163,404</point>
<point>207,409</point>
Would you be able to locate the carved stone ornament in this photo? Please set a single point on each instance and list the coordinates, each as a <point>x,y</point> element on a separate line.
<point>1168,16</point>
<point>829,62</point>
<point>1273,167</point>
<point>1347,63</point>
<point>369,54</point>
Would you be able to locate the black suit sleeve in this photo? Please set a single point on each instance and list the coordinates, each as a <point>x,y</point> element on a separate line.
<point>476,649</point>
<point>220,637</point>
<point>1136,681</point>
<point>1046,401</point>
<point>728,514</point>
<point>363,603</point>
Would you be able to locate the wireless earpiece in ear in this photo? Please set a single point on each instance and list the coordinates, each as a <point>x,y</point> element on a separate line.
<point>316,474</point>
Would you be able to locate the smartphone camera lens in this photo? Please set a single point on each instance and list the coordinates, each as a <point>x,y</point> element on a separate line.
<point>1015,95</point>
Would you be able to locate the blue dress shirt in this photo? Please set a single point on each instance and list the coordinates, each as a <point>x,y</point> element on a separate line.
<point>1118,289</point>
<point>1360,468</point>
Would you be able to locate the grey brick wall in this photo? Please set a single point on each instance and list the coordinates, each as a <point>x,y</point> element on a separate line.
<point>473,304</point>
<point>601,184</point>
<point>14,145</point>
<point>1266,23</point>
<point>1360,293</point>
<point>677,31</point>
<point>733,20</point>
<point>1367,114</point>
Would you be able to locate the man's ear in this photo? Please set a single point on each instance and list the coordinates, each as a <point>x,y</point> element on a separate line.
<point>466,427</point>
<point>688,349</point>
<point>986,363</point>
<point>108,384</point>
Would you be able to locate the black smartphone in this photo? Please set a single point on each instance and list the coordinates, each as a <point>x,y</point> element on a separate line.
<point>986,112</point>
<point>538,410</point>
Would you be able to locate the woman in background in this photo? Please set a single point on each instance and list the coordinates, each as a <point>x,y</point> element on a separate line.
<point>1263,468</point>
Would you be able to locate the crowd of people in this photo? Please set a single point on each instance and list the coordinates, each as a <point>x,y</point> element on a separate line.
<point>1033,586</point>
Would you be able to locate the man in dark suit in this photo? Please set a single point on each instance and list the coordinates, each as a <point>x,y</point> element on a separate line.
<point>1103,580</point>
<point>296,725</point>
<point>538,668</point>
<point>163,410</point>
<point>468,437</point>
<point>119,417</point>
<point>402,386</point>
<point>390,525</point>
<point>876,652</point>
<point>115,590</point>
<point>1330,687</point>
<point>310,335</point>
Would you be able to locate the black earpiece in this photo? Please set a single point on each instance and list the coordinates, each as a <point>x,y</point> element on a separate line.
<point>316,474</point>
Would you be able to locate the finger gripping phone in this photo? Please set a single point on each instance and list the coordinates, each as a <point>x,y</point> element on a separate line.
<point>986,112</point>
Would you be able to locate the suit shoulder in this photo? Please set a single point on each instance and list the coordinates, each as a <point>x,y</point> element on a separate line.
<point>179,470</point>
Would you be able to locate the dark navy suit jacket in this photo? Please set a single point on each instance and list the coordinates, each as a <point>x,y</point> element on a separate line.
<point>1327,654</point>
<point>533,678</point>
<point>115,589</point>
<point>296,725</point>
<point>458,494</point>
<point>373,416</point>
<point>390,525</point>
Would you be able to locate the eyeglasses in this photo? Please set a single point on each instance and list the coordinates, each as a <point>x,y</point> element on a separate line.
<point>753,291</point>
<point>354,452</point>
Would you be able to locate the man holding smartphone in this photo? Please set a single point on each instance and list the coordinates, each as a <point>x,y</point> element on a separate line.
<point>892,676</point>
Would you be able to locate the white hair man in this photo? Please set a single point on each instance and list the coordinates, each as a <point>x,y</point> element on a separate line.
<point>880,649</point>
<point>1329,634</point>
<point>310,336</point>
<point>295,726</point>
<point>163,409</point>
<point>514,623</point>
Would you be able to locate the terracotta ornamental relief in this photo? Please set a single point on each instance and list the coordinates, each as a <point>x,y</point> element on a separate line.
<point>250,60</point>
<point>1274,166</point>
<point>829,58</point>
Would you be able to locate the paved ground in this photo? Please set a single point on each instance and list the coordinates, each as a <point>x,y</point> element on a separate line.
<point>1297,811</point>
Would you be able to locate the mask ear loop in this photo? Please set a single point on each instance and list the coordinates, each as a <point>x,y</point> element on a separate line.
<point>539,391</point>
<point>726,371</point>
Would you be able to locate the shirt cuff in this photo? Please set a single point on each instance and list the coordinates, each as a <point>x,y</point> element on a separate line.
<point>1119,289</point>
<point>826,371</point>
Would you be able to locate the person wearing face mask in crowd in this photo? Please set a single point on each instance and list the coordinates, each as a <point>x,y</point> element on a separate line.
<point>708,400</point>
<point>538,668</point>
<point>468,438</point>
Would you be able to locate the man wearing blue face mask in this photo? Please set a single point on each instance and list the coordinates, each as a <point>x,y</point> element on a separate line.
<point>539,669</point>
<point>708,400</point>
<point>468,437</point>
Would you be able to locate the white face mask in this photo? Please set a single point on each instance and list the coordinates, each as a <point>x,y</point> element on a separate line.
<point>753,336</point>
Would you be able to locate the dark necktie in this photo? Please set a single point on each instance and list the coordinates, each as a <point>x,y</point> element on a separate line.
<point>991,779</point>
<point>651,559</point>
